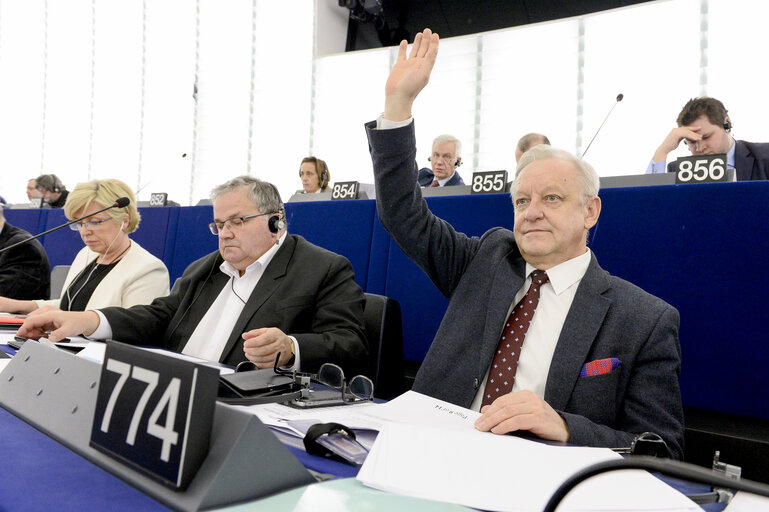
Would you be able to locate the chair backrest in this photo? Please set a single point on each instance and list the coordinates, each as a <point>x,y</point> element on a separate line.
<point>382,319</point>
<point>58,275</point>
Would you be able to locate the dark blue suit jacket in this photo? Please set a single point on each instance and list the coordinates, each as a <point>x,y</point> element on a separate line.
<point>609,317</point>
<point>751,161</point>
<point>426,177</point>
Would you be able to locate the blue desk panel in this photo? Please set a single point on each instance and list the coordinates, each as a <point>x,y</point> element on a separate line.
<point>153,233</point>
<point>28,219</point>
<point>702,248</point>
<point>422,305</point>
<point>61,245</point>
<point>192,239</point>
<point>350,235</point>
<point>40,474</point>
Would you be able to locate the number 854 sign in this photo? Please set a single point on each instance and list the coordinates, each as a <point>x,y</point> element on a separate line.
<point>154,412</point>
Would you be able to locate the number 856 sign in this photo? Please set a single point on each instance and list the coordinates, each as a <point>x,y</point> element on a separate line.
<point>701,168</point>
<point>154,412</point>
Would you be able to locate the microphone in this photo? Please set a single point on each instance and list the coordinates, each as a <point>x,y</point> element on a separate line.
<point>619,98</point>
<point>121,202</point>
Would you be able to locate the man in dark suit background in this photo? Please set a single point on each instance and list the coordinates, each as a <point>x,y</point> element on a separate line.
<point>601,357</point>
<point>264,292</point>
<point>444,160</point>
<point>705,127</point>
<point>25,273</point>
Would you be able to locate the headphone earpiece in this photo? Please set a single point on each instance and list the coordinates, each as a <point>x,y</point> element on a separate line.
<point>276,224</point>
<point>727,125</point>
<point>56,184</point>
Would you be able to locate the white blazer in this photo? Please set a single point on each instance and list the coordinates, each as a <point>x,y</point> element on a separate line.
<point>138,278</point>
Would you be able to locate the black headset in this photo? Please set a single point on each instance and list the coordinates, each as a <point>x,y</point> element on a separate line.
<point>56,184</point>
<point>277,222</point>
<point>727,124</point>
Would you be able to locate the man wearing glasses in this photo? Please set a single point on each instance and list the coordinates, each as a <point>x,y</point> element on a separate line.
<point>263,292</point>
<point>444,160</point>
<point>705,127</point>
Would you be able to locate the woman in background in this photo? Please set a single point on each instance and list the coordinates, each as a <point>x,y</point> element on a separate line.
<point>315,176</point>
<point>112,269</point>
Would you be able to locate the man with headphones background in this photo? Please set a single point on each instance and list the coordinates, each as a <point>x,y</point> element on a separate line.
<point>704,125</point>
<point>264,292</point>
<point>444,160</point>
<point>314,175</point>
<point>52,190</point>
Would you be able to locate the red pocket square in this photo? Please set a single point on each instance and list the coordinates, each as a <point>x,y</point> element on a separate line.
<point>599,367</point>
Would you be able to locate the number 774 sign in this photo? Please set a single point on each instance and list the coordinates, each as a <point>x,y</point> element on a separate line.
<point>154,412</point>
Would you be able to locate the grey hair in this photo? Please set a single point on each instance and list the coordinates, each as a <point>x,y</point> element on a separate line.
<point>588,178</point>
<point>443,139</point>
<point>262,193</point>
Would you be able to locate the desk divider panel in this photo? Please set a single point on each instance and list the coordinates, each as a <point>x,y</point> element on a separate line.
<point>193,239</point>
<point>153,231</point>
<point>702,248</point>
<point>422,305</point>
<point>343,227</point>
<point>55,392</point>
<point>28,219</point>
<point>63,245</point>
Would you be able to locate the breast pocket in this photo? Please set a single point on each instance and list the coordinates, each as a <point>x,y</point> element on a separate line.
<point>596,397</point>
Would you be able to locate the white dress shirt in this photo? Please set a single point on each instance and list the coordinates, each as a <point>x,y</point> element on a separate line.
<point>555,298</point>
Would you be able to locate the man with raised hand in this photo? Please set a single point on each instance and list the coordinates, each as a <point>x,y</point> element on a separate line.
<point>537,336</point>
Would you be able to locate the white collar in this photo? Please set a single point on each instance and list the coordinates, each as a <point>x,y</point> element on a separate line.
<point>565,274</point>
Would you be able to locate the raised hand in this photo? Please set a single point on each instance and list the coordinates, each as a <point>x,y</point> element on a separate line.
<point>409,75</point>
<point>674,138</point>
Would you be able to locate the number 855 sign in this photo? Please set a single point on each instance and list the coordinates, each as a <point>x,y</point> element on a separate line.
<point>489,182</point>
<point>154,412</point>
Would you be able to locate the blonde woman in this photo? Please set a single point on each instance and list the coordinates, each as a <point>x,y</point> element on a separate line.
<point>112,269</point>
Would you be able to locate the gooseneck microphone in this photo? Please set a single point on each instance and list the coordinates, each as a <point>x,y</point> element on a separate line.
<point>121,202</point>
<point>619,98</point>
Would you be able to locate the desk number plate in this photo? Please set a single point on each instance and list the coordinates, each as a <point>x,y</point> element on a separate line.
<point>154,413</point>
<point>158,199</point>
<point>489,182</point>
<point>345,190</point>
<point>701,169</point>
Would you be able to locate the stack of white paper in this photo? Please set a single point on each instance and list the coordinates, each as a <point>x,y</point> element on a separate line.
<point>457,464</point>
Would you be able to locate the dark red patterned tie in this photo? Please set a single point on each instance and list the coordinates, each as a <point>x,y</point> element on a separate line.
<point>505,363</point>
<point>434,183</point>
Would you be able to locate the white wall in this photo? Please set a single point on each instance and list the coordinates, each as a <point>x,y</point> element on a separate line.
<point>97,88</point>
